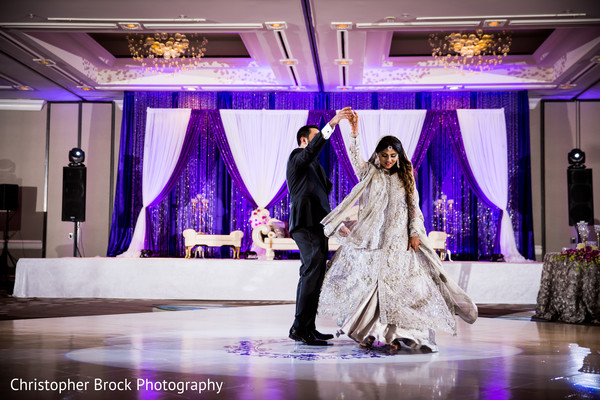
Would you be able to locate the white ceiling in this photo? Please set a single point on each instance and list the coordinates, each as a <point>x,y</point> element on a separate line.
<point>29,30</point>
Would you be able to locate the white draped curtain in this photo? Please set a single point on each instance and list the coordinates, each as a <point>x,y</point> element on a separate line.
<point>261,142</point>
<point>165,133</point>
<point>406,125</point>
<point>484,137</point>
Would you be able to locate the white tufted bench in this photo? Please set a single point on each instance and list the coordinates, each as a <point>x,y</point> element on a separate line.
<point>193,239</point>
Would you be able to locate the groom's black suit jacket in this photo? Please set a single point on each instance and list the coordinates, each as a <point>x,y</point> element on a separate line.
<point>308,186</point>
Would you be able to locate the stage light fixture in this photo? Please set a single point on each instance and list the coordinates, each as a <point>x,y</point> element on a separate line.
<point>566,86</point>
<point>76,157</point>
<point>45,61</point>
<point>494,23</point>
<point>341,26</point>
<point>276,26</point>
<point>130,26</point>
<point>576,158</point>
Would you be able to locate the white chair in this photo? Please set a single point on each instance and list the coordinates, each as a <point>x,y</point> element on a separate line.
<point>438,241</point>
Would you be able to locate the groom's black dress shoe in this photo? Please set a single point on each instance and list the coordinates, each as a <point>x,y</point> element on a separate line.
<point>308,339</point>
<point>322,336</point>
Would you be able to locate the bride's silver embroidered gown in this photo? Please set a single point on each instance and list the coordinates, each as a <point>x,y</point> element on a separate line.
<point>388,292</point>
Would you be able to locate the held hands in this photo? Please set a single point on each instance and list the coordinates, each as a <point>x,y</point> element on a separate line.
<point>414,243</point>
<point>348,114</point>
<point>344,113</point>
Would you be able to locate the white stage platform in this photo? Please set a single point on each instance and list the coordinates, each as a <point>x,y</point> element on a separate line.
<point>226,279</point>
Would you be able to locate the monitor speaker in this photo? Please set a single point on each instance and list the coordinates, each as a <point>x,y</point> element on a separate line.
<point>580,195</point>
<point>9,197</point>
<point>73,200</point>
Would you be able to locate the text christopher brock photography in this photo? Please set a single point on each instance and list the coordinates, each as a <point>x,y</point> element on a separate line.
<point>123,385</point>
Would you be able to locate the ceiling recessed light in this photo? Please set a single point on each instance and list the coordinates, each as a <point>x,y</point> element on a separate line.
<point>341,25</point>
<point>289,62</point>
<point>454,87</point>
<point>85,87</point>
<point>45,61</point>
<point>191,88</point>
<point>494,23</point>
<point>344,88</point>
<point>297,87</point>
<point>595,59</point>
<point>343,61</point>
<point>23,87</point>
<point>276,25</point>
<point>131,26</point>
<point>565,86</point>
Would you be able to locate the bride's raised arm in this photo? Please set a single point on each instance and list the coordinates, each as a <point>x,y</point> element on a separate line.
<point>359,165</point>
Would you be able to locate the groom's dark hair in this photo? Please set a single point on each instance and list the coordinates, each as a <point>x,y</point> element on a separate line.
<point>304,132</point>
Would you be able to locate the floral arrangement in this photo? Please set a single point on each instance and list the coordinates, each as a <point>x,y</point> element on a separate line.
<point>587,256</point>
<point>260,216</point>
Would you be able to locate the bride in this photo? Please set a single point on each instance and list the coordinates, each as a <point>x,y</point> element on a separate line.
<point>386,283</point>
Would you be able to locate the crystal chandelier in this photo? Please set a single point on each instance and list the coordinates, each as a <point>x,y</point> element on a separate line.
<point>471,51</point>
<point>165,52</point>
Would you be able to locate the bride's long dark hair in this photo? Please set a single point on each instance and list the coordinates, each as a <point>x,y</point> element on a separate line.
<point>403,167</point>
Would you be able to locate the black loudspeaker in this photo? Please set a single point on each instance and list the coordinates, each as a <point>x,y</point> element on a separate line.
<point>73,200</point>
<point>581,196</point>
<point>9,197</point>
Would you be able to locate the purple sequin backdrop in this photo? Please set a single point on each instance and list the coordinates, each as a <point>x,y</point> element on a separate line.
<point>474,230</point>
<point>229,208</point>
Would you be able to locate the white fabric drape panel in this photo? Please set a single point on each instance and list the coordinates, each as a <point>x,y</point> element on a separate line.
<point>165,133</point>
<point>406,125</point>
<point>261,142</point>
<point>484,138</point>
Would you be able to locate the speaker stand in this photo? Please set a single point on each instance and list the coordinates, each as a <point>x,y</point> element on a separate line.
<point>76,252</point>
<point>6,256</point>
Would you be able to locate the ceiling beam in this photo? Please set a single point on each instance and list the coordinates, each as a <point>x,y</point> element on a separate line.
<point>312,40</point>
<point>40,74</point>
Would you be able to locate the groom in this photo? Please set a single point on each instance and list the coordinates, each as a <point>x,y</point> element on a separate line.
<point>308,188</point>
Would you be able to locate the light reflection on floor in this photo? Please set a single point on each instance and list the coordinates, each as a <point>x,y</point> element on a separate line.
<point>246,351</point>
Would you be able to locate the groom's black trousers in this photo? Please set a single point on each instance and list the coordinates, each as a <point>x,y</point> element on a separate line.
<point>313,246</point>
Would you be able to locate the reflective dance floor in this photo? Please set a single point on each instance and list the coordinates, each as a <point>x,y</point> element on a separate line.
<point>243,353</point>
